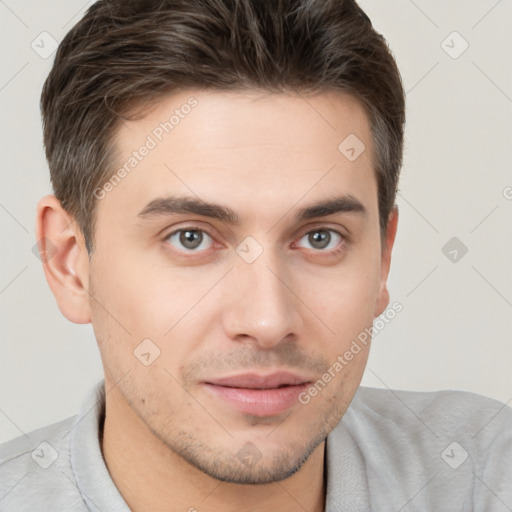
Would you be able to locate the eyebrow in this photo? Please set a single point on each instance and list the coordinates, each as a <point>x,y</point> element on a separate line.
<point>172,205</point>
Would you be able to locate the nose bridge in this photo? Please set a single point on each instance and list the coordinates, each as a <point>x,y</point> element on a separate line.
<point>263,308</point>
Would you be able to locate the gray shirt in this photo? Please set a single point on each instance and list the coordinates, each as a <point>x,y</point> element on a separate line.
<point>392,451</point>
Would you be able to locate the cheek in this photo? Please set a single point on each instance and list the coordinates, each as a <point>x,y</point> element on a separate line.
<point>169,306</point>
<point>139,296</point>
<point>345,299</point>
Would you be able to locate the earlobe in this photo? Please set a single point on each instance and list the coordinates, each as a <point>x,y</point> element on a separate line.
<point>383,295</point>
<point>64,258</point>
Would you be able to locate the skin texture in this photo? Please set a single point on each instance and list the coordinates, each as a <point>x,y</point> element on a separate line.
<point>168,443</point>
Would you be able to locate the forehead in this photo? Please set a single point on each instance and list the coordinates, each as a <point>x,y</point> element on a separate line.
<point>252,150</point>
<point>228,118</point>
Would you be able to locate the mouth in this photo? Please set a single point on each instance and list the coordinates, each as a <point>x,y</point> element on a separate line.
<point>259,395</point>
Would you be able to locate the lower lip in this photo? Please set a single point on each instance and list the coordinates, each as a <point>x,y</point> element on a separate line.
<point>259,402</point>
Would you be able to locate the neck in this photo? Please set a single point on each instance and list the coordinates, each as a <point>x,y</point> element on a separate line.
<point>151,476</point>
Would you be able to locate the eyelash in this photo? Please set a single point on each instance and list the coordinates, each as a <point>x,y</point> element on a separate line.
<point>341,246</point>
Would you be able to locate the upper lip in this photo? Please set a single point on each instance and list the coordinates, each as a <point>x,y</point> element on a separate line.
<point>255,381</point>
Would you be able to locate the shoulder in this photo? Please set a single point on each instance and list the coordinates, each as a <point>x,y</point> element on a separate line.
<point>425,419</point>
<point>15,449</point>
<point>455,445</point>
<point>479,420</point>
<point>35,470</point>
<point>444,410</point>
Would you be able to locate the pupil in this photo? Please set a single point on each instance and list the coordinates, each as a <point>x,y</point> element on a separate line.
<point>320,239</point>
<point>191,239</point>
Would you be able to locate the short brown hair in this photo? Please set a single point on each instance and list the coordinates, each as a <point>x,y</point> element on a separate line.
<point>126,52</point>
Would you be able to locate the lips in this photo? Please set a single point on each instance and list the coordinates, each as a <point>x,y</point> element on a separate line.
<point>254,381</point>
<point>258,395</point>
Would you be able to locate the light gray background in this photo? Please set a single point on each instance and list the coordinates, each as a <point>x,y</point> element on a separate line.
<point>454,331</point>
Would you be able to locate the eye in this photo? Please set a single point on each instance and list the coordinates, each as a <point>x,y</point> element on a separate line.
<point>323,239</point>
<point>190,239</point>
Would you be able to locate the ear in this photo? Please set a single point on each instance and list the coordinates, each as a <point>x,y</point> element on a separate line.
<point>383,295</point>
<point>64,258</point>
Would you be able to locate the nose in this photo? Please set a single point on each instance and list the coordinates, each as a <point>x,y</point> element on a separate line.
<point>263,306</point>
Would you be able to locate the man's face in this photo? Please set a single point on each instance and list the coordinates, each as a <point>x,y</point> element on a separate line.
<point>274,291</point>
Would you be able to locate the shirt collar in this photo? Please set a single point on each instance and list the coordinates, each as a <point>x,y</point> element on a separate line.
<point>91,473</point>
